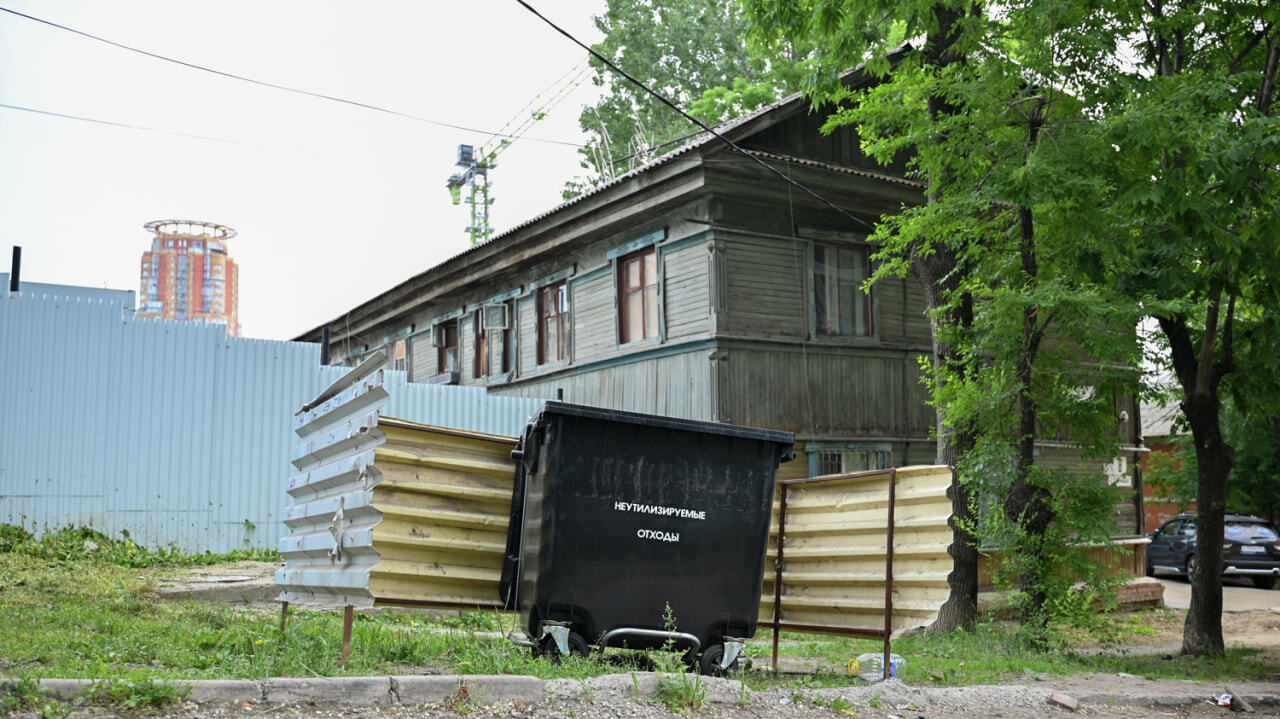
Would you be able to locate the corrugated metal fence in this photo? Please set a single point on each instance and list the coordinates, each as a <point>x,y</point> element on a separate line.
<point>392,512</point>
<point>169,430</point>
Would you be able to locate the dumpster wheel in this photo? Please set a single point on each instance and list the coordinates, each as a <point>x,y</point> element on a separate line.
<point>547,648</point>
<point>709,663</point>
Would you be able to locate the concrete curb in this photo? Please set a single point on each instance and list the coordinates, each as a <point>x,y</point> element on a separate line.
<point>502,689</point>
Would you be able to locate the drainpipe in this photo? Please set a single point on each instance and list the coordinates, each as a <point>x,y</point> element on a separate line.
<point>15,269</point>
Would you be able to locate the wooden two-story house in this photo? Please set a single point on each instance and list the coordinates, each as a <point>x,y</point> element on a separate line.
<point>701,285</point>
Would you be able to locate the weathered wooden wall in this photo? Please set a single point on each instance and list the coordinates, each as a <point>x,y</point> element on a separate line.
<point>674,385</point>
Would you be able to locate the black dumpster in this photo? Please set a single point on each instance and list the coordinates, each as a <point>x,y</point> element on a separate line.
<point>640,531</point>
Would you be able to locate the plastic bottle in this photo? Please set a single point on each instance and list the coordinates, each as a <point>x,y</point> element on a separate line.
<point>870,666</point>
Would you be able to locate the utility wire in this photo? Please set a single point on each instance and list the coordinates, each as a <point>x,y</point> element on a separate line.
<point>693,119</point>
<point>263,83</point>
<point>134,127</point>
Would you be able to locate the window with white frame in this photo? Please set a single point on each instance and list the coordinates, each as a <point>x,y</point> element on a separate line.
<point>841,307</point>
<point>553,322</point>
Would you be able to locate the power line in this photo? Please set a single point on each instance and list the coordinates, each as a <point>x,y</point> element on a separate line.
<point>693,119</point>
<point>263,83</point>
<point>111,123</point>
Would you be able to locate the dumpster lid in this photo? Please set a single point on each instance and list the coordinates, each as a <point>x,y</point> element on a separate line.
<point>653,420</point>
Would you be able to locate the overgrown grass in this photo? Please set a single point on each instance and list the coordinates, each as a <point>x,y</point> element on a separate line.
<point>93,619</point>
<point>994,652</point>
<point>83,543</point>
<point>86,613</point>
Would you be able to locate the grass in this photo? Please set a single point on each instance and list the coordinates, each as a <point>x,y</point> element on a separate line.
<point>83,543</point>
<point>86,613</point>
<point>993,653</point>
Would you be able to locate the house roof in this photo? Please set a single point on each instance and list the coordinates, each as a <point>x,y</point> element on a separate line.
<point>1158,420</point>
<point>733,130</point>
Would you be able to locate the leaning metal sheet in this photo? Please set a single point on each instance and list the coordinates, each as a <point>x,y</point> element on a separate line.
<point>386,511</point>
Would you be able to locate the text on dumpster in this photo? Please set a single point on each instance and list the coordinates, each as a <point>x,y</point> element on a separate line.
<point>659,510</point>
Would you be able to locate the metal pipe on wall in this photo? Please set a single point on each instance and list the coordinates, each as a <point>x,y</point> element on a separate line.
<point>15,269</point>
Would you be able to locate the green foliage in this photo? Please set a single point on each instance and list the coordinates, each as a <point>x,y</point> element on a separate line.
<point>689,51</point>
<point>1172,474</point>
<point>1254,484</point>
<point>24,695</point>
<point>682,693</point>
<point>134,694</point>
<point>1255,479</point>
<point>81,543</point>
<point>1009,156</point>
<point>1059,563</point>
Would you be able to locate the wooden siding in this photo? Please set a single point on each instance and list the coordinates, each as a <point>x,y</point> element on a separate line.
<point>687,291</point>
<point>767,294</point>
<point>764,284</point>
<point>592,315</point>
<point>527,327</point>
<point>422,358</point>
<point>677,385</point>
<point>922,452</point>
<point>901,312</point>
<point>825,392</point>
<point>467,349</point>
<point>800,136</point>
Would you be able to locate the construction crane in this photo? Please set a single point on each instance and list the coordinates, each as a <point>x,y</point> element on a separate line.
<point>475,163</point>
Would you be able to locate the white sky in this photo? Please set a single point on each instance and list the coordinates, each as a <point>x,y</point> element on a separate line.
<point>333,204</point>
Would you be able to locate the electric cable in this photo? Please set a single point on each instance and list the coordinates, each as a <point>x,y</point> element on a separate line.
<point>693,119</point>
<point>111,123</point>
<point>264,83</point>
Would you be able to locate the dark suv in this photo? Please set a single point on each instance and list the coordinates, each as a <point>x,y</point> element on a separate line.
<point>1250,548</point>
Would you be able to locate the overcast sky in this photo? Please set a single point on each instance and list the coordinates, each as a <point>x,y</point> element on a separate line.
<point>333,204</point>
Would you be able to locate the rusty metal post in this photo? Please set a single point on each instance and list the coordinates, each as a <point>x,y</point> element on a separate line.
<point>348,614</point>
<point>888,577</point>
<point>777,573</point>
<point>284,615</point>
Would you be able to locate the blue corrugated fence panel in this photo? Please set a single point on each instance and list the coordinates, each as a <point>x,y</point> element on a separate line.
<point>171,431</point>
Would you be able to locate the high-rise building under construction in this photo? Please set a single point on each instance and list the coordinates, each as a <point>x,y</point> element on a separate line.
<point>187,274</point>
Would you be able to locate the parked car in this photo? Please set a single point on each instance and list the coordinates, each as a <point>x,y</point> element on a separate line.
<point>1250,548</point>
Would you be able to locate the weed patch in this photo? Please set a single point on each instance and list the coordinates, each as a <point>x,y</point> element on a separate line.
<point>682,693</point>
<point>75,544</point>
<point>141,694</point>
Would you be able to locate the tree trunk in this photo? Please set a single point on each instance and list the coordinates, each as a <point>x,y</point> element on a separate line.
<point>939,276</point>
<point>1028,504</point>
<point>1200,378</point>
<point>1202,634</point>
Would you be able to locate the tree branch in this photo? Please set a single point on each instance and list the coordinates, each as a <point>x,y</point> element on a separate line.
<point>1248,48</point>
<point>1204,368</point>
<point>1227,364</point>
<point>1181,350</point>
<point>1267,94</point>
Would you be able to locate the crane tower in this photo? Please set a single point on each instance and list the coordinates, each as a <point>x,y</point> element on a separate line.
<point>475,163</point>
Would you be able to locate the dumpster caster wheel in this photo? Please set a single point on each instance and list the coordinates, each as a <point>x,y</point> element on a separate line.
<point>547,648</point>
<point>709,664</point>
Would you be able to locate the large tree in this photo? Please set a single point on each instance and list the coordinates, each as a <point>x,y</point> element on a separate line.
<point>1174,105</point>
<point>847,33</point>
<point>1195,152</point>
<point>689,51</point>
